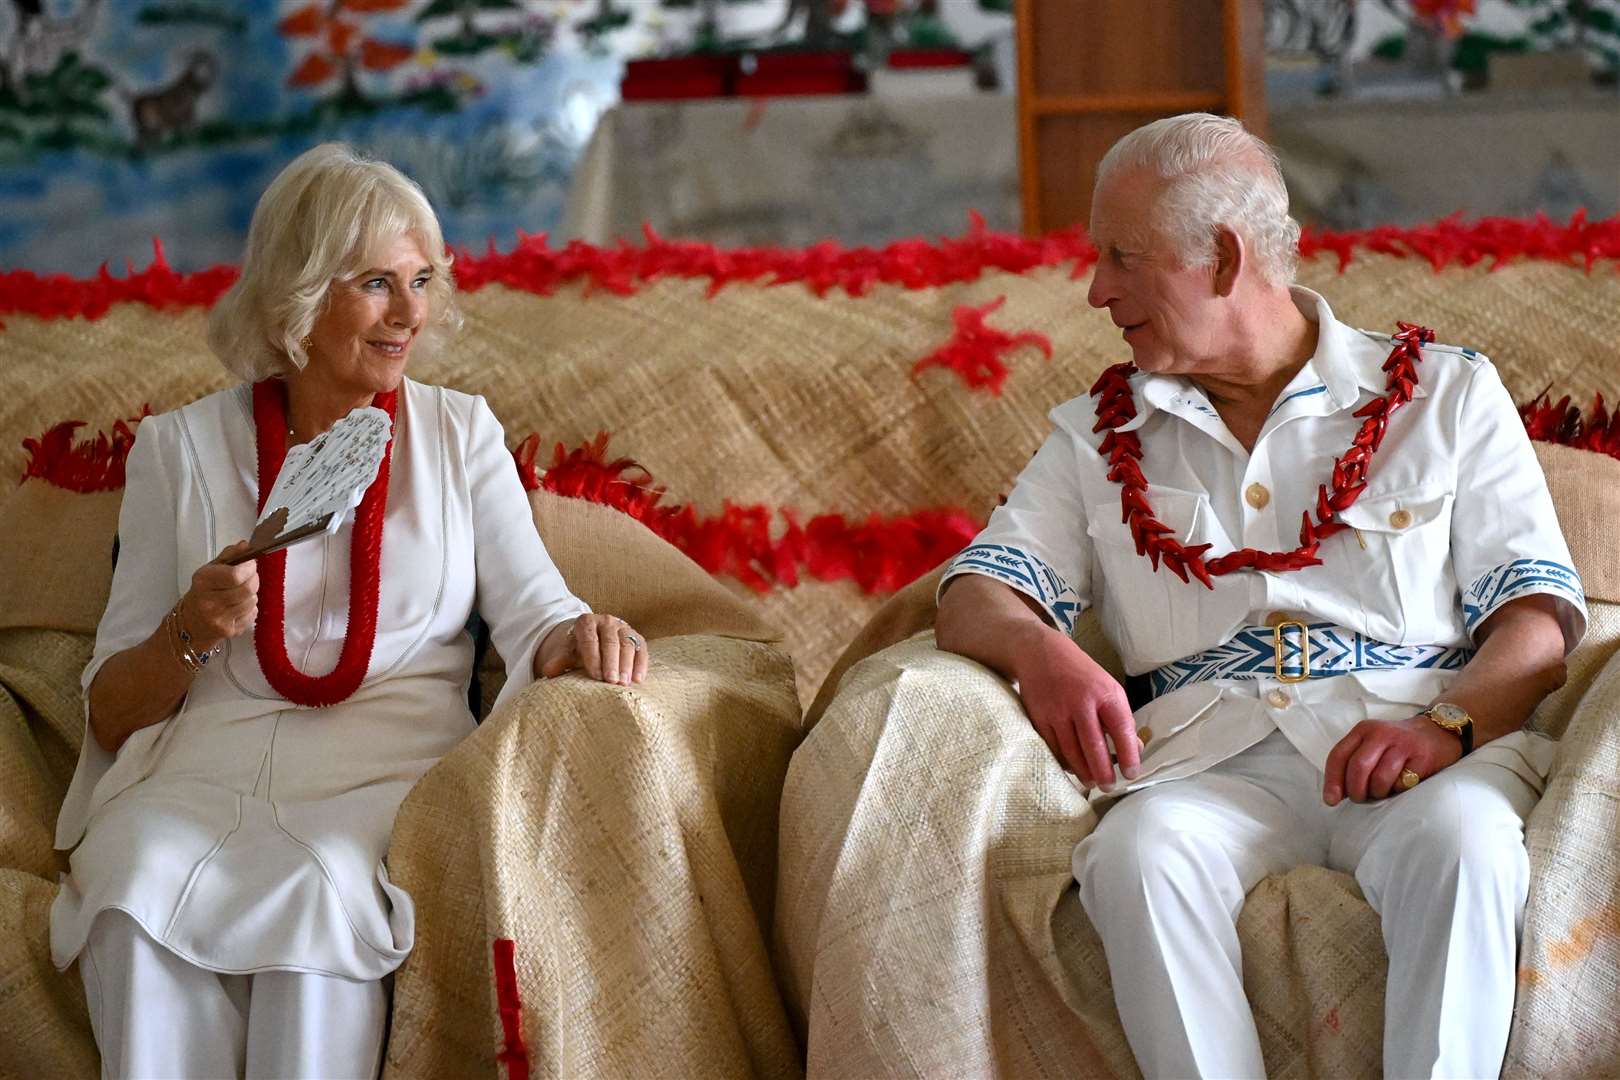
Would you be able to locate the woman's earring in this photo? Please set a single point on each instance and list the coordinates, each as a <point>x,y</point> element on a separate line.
<point>305,343</point>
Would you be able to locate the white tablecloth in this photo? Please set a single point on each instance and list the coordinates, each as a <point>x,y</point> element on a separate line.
<point>857,169</point>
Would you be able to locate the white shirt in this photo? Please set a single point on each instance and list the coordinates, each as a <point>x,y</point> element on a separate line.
<point>246,833</point>
<point>1455,521</point>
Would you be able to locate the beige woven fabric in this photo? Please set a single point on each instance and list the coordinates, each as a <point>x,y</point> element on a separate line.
<point>735,693</point>
<point>44,1028</point>
<point>625,840</point>
<point>616,564</point>
<point>1585,488</point>
<point>1569,978</point>
<point>44,1024</point>
<point>928,923</point>
<point>926,917</point>
<point>909,611</point>
<point>777,396</point>
<point>57,549</point>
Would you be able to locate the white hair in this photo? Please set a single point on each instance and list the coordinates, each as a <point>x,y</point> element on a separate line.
<point>325,216</point>
<point>1215,173</point>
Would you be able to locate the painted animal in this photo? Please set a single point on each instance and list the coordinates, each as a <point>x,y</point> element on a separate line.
<point>172,109</point>
<point>41,39</point>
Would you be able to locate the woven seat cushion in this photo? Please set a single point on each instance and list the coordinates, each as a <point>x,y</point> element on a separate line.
<point>931,923</point>
<point>58,549</point>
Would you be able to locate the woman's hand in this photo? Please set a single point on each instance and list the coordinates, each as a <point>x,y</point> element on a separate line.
<point>223,600</point>
<point>605,646</point>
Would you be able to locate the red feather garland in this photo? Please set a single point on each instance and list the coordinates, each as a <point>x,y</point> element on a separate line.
<point>94,465</point>
<point>880,553</point>
<point>534,266</point>
<point>509,1006</point>
<point>1564,424</point>
<point>975,350</point>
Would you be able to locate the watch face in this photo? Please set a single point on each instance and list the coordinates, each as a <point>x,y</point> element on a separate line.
<point>1450,715</point>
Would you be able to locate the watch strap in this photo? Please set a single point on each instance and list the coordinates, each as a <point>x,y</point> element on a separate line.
<point>1463,731</point>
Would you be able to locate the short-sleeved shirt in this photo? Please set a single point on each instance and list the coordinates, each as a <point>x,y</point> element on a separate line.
<point>1455,521</point>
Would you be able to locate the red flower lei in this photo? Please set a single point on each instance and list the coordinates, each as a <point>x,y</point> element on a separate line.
<point>365,557</point>
<point>1116,404</point>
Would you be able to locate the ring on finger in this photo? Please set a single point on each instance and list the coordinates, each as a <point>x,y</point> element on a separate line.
<point>635,642</point>
<point>1409,780</point>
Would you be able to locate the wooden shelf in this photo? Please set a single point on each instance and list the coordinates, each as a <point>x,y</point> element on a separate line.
<point>1088,72</point>
<point>1165,104</point>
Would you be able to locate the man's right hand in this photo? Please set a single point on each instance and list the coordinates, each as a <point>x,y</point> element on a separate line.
<point>1077,708</point>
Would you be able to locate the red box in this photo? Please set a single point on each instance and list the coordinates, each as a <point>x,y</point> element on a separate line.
<point>784,73</point>
<point>929,58</point>
<point>677,77</point>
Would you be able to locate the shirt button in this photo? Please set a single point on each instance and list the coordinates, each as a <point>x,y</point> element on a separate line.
<point>1145,734</point>
<point>1400,519</point>
<point>1257,496</point>
<point>1277,699</point>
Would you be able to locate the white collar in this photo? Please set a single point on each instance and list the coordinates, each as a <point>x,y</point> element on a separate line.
<point>1346,362</point>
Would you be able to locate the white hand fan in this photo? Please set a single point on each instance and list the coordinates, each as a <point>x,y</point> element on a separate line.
<point>320,482</point>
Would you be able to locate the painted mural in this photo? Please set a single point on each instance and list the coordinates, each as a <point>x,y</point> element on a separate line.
<point>125,120</point>
<point>121,120</point>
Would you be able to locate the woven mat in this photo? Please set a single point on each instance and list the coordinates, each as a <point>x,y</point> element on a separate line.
<point>777,396</point>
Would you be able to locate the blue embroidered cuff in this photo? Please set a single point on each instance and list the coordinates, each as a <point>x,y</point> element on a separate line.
<point>1025,572</point>
<point>1521,577</point>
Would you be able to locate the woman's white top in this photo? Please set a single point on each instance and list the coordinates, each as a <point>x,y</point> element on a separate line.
<point>1455,521</point>
<point>246,833</point>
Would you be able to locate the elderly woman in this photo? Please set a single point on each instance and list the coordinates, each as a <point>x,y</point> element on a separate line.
<point>253,728</point>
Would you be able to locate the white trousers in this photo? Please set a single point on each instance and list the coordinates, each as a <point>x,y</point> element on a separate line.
<point>157,1017</point>
<point>1164,875</point>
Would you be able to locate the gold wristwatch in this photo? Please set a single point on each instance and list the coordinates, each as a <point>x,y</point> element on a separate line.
<point>1455,719</point>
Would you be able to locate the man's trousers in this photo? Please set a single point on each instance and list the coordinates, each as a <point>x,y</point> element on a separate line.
<point>1164,875</point>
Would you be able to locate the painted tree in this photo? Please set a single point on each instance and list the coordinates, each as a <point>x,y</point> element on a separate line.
<point>608,18</point>
<point>884,16</point>
<point>709,36</point>
<point>1590,25</point>
<point>467,11</point>
<point>339,45</point>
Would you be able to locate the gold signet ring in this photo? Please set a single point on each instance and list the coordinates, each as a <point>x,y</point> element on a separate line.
<point>1409,779</point>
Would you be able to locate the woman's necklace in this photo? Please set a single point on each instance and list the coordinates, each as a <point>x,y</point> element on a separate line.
<point>1116,405</point>
<point>365,558</point>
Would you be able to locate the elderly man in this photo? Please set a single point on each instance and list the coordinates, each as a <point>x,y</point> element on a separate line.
<point>1333,556</point>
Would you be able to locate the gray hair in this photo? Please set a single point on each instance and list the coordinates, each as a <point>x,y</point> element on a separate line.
<point>324,217</point>
<point>1216,173</point>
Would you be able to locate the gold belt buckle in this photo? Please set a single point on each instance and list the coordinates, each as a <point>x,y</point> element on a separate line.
<point>1278,642</point>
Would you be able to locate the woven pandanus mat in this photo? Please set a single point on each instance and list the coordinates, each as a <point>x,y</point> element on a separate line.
<point>781,397</point>
<point>729,395</point>
<point>1544,324</point>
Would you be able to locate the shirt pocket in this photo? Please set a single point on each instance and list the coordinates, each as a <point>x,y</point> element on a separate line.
<point>1401,578</point>
<point>1151,615</point>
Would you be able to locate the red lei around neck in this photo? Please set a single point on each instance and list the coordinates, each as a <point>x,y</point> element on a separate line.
<point>365,557</point>
<point>1116,405</point>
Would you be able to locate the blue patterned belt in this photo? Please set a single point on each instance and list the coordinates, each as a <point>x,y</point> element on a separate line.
<point>1295,651</point>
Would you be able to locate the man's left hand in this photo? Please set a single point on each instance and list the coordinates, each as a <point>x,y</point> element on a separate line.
<point>1367,763</point>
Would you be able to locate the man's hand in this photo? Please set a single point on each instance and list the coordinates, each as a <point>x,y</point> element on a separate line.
<point>1074,704</point>
<point>1367,763</point>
